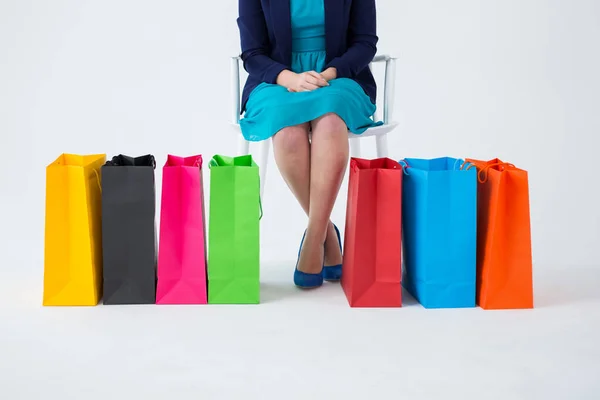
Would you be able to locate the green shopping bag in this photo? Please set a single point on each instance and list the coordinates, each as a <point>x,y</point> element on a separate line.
<point>233,233</point>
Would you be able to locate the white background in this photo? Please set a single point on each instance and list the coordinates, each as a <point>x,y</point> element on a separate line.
<point>512,79</point>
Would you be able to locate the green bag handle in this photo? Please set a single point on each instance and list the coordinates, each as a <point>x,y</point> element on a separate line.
<point>228,161</point>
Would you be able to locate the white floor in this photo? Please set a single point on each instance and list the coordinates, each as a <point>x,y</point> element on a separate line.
<point>303,345</point>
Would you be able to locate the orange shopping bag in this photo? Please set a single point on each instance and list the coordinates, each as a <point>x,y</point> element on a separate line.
<point>504,264</point>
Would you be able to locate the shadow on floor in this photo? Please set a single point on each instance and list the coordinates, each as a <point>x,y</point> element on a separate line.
<point>408,300</point>
<point>277,291</point>
<point>552,287</point>
<point>563,286</point>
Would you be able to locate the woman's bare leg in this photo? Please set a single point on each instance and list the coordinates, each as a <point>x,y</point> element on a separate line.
<point>328,160</point>
<point>292,156</point>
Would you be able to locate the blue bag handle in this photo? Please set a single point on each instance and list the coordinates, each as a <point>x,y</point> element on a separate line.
<point>404,166</point>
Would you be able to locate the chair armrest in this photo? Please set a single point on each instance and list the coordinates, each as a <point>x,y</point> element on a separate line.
<point>235,90</point>
<point>389,85</point>
<point>389,89</point>
<point>381,57</point>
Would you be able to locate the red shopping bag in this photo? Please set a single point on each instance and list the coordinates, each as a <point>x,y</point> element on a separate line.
<point>371,272</point>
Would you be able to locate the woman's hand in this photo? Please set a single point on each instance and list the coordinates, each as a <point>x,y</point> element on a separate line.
<point>304,82</point>
<point>329,74</point>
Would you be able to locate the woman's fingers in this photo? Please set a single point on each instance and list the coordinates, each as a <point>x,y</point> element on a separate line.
<point>312,80</point>
<point>308,81</point>
<point>307,86</point>
<point>320,80</point>
<point>315,74</point>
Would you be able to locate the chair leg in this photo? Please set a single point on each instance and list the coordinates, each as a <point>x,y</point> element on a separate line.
<point>382,146</point>
<point>265,147</point>
<point>243,146</point>
<point>355,147</point>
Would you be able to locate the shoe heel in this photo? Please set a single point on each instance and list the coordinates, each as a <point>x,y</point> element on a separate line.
<point>304,280</point>
<point>333,273</point>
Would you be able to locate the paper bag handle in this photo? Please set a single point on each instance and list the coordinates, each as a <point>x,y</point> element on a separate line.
<point>462,165</point>
<point>98,179</point>
<point>404,166</point>
<point>482,175</point>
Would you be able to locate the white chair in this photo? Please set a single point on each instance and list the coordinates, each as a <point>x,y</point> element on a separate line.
<point>380,132</point>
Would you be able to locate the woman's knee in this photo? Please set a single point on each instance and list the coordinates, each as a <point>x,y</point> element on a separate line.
<point>330,123</point>
<point>291,138</point>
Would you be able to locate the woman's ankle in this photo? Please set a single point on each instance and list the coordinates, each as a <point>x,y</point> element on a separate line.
<point>317,235</point>
<point>311,258</point>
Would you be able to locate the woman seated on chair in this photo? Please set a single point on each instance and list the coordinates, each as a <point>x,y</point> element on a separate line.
<point>309,83</point>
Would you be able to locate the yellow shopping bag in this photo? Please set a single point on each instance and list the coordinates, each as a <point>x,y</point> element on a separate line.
<point>73,238</point>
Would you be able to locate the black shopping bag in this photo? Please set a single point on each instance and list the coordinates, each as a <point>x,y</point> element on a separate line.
<point>129,230</point>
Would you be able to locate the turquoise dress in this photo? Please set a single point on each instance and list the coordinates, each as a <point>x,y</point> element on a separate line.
<point>271,108</point>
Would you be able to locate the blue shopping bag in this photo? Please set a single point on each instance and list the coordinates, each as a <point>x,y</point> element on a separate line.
<point>439,229</point>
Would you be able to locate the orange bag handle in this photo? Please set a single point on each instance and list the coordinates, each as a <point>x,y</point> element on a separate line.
<point>484,170</point>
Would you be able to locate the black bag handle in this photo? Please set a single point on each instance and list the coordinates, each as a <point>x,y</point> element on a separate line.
<point>126,161</point>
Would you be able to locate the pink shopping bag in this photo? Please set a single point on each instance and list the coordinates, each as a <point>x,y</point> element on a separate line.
<point>181,255</point>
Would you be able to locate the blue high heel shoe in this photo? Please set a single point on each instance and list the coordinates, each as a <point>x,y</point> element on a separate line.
<point>334,273</point>
<point>304,280</point>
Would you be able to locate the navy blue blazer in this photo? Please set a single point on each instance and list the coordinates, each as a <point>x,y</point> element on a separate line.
<point>266,39</point>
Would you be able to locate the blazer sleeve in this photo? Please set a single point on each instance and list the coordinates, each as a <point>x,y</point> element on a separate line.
<point>254,39</point>
<point>362,40</point>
